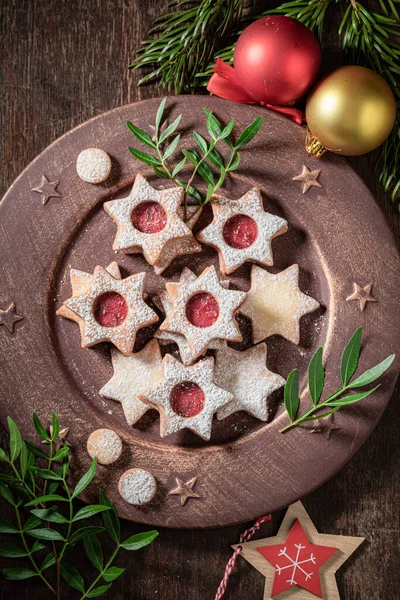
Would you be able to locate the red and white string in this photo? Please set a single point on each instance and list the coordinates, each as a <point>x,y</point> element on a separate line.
<point>245,537</point>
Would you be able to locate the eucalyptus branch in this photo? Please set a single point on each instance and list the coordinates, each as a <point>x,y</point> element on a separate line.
<point>47,524</point>
<point>343,396</point>
<point>208,164</point>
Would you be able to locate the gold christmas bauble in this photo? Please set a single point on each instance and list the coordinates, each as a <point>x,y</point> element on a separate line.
<point>350,112</point>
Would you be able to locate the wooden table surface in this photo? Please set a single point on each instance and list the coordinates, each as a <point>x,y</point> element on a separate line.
<point>62,63</point>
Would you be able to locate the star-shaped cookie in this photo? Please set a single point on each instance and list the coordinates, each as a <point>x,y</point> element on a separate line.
<point>203,311</point>
<point>166,337</point>
<point>184,489</point>
<point>275,304</point>
<point>246,376</point>
<point>80,284</point>
<point>187,397</point>
<point>147,219</point>
<point>242,231</point>
<point>112,310</point>
<point>180,246</point>
<point>133,375</point>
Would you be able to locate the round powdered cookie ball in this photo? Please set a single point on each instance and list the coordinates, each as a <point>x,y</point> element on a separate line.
<point>137,486</point>
<point>93,165</point>
<point>105,445</point>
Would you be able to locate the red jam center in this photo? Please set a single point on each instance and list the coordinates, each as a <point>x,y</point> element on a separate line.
<point>202,310</point>
<point>110,309</point>
<point>187,399</point>
<point>240,231</point>
<point>149,217</point>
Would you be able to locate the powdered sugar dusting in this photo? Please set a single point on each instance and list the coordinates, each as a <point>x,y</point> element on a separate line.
<point>105,445</point>
<point>176,373</point>
<point>93,165</point>
<point>139,313</point>
<point>268,226</point>
<point>80,284</point>
<point>133,375</point>
<point>137,486</point>
<point>275,304</point>
<point>186,354</point>
<point>131,240</point>
<point>225,326</point>
<point>246,376</point>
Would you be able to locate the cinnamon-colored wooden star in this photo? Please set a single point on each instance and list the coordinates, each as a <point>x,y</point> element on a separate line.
<point>299,558</point>
<point>48,189</point>
<point>60,439</point>
<point>362,295</point>
<point>308,178</point>
<point>184,490</point>
<point>326,427</point>
<point>9,316</point>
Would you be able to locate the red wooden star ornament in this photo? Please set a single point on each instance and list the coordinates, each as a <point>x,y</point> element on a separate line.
<point>296,562</point>
<point>299,563</point>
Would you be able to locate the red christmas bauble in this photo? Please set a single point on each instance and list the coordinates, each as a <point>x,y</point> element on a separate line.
<point>277,59</point>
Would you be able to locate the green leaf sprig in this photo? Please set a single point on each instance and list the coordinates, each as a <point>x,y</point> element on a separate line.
<point>48,523</point>
<point>340,398</point>
<point>206,160</point>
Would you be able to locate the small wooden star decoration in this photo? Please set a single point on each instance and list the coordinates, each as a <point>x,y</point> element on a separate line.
<point>60,439</point>
<point>184,490</point>
<point>48,189</point>
<point>299,563</point>
<point>8,317</point>
<point>326,427</point>
<point>309,178</point>
<point>362,294</point>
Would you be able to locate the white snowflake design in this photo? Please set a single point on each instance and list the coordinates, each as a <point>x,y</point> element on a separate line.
<point>295,564</point>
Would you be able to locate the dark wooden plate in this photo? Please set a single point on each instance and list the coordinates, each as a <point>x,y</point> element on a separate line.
<point>337,235</point>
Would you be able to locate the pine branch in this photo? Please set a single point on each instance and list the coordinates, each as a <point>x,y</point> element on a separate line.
<point>188,38</point>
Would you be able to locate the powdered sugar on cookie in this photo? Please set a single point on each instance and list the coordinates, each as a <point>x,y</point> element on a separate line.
<point>187,391</point>
<point>242,231</point>
<point>127,311</point>
<point>133,375</point>
<point>105,445</point>
<point>246,376</point>
<point>137,486</point>
<point>147,220</point>
<point>275,304</point>
<point>186,354</point>
<point>216,304</point>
